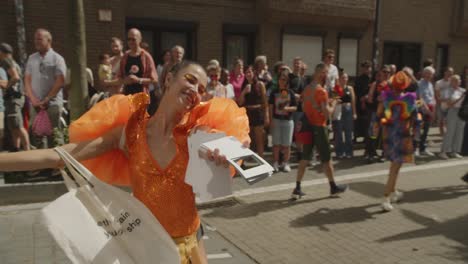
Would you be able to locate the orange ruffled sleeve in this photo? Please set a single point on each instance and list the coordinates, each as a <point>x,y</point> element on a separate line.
<point>112,166</point>
<point>224,115</point>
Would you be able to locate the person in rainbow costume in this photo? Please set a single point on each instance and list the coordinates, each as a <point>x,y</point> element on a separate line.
<point>400,123</point>
<point>121,144</point>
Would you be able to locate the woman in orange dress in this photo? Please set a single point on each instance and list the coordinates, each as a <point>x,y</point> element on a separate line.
<point>122,145</point>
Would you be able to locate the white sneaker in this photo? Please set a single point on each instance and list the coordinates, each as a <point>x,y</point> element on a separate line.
<point>443,155</point>
<point>396,196</point>
<point>286,167</point>
<point>276,166</point>
<point>417,154</point>
<point>428,153</point>
<point>386,205</point>
<point>457,156</point>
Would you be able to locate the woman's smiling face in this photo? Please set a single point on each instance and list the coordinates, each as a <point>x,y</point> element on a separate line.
<point>185,87</point>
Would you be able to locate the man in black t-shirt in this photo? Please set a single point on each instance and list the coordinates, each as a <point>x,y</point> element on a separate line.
<point>361,89</point>
<point>137,68</point>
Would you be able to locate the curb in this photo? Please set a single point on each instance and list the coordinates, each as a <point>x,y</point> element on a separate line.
<point>25,193</point>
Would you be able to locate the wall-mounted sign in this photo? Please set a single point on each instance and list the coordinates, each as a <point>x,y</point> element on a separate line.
<point>105,15</point>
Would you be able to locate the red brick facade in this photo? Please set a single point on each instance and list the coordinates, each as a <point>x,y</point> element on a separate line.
<point>426,22</point>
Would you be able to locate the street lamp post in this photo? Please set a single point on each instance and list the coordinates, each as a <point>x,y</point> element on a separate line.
<point>375,44</point>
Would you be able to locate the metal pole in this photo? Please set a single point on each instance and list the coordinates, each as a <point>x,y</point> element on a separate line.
<point>20,33</point>
<point>375,44</point>
<point>77,39</point>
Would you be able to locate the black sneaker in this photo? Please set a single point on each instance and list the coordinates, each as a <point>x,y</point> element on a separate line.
<point>297,194</point>
<point>465,178</point>
<point>340,188</point>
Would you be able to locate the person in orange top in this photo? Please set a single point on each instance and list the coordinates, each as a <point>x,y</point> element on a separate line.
<point>121,144</point>
<point>313,132</point>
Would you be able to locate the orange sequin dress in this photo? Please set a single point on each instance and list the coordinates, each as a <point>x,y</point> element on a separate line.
<point>162,190</point>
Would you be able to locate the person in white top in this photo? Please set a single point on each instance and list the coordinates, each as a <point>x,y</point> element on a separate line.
<point>111,86</point>
<point>442,92</point>
<point>214,88</point>
<point>332,78</point>
<point>333,74</point>
<point>224,80</point>
<point>453,139</point>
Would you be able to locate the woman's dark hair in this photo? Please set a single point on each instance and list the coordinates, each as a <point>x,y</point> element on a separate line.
<point>161,57</point>
<point>284,73</point>
<point>255,80</point>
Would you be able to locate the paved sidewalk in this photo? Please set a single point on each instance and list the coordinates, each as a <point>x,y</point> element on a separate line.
<point>24,239</point>
<point>430,226</point>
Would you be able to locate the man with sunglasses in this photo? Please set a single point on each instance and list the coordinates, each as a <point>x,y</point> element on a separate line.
<point>137,68</point>
<point>43,82</point>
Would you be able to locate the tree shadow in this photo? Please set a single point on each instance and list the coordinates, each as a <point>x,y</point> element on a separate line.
<point>254,209</point>
<point>325,216</point>
<point>454,229</point>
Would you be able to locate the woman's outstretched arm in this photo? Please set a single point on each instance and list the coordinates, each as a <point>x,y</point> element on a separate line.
<point>48,158</point>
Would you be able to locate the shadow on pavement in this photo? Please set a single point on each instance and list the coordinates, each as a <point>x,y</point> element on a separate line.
<point>454,229</point>
<point>368,188</point>
<point>254,209</point>
<point>325,216</point>
<point>435,194</point>
<point>376,190</point>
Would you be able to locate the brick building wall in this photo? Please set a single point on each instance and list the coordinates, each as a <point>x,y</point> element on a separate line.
<point>428,22</point>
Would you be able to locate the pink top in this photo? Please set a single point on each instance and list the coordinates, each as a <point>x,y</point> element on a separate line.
<point>236,81</point>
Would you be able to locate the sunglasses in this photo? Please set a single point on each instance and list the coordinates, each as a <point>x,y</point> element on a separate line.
<point>42,67</point>
<point>194,81</point>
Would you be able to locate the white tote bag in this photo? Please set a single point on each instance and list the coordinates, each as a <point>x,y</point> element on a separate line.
<point>98,223</point>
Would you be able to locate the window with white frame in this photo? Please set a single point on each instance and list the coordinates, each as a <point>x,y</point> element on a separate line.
<point>348,55</point>
<point>309,48</point>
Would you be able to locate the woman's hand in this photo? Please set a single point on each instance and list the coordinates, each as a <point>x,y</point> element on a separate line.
<point>216,157</point>
<point>247,89</point>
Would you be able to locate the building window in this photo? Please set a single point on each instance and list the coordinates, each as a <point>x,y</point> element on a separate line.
<point>348,55</point>
<point>442,58</point>
<point>403,54</point>
<point>308,47</point>
<point>237,46</point>
<point>238,42</point>
<point>163,35</point>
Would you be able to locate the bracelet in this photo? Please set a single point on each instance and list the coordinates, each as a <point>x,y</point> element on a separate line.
<point>140,81</point>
